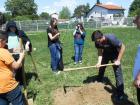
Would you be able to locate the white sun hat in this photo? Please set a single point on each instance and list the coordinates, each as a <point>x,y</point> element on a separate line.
<point>54,15</point>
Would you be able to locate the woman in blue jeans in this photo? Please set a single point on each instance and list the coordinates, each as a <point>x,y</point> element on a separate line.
<point>79,37</point>
<point>54,46</point>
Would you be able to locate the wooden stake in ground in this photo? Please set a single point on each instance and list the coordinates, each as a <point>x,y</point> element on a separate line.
<point>87,67</point>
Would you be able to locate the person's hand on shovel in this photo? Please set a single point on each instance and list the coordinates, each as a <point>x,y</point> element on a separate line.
<point>137,81</point>
<point>117,62</point>
<point>99,62</point>
<point>98,65</point>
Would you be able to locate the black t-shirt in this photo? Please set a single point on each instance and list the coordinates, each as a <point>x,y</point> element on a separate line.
<point>111,46</point>
<point>53,32</point>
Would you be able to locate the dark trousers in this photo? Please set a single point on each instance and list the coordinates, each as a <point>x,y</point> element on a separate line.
<point>18,72</point>
<point>138,95</point>
<point>117,72</point>
<point>15,97</point>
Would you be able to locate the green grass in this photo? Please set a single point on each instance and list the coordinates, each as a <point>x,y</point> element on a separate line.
<point>44,91</point>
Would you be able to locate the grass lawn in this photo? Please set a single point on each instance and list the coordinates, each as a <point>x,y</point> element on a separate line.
<point>43,91</point>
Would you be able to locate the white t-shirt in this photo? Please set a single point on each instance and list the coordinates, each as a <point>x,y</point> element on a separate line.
<point>13,41</point>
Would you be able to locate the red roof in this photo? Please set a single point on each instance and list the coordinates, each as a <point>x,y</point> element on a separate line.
<point>110,6</point>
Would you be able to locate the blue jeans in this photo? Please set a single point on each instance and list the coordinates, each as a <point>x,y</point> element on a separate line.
<point>15,97</point>
<point>55,56</point>
<point>78,52</point>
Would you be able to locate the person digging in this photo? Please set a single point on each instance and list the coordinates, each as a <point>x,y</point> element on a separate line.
<point>110,49</point>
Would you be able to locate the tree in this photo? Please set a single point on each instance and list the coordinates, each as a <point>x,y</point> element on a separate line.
<point>81,10</point>
<point>64,13</point>
<point>8,16</point>
<point>134,8</point>
<point>44,15</point>
<point>2,18</point>
<point>21,7</point>
<point>98,2</point>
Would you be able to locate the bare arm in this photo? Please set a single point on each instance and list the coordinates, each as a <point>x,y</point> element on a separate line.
<point>81,31</point>
<point>138,76</point>
<point>99,57</point>
<point>53,37</point>
<point>74,32</point>
<point>137,81</point>
<point>121,52</point>
<point>16,64</point>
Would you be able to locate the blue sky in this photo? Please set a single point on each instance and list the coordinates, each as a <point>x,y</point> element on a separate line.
<point>52,6</point>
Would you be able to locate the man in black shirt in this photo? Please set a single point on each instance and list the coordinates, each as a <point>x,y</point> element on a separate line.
<point>110,49</point>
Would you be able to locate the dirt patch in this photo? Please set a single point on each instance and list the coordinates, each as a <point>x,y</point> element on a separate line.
<point>90,94</point>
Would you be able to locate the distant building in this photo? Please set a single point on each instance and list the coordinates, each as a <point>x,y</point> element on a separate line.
<point>105,11</point>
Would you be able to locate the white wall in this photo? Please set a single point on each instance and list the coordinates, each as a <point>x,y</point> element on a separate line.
<point>102,12</point>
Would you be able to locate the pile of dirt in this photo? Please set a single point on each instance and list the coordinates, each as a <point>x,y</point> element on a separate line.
<point>89,94</point>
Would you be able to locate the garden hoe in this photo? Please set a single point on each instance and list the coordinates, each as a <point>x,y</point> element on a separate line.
<point>79,68</point>
<point>87,67</point>
<point>27,101</point>
<point>35,69</point>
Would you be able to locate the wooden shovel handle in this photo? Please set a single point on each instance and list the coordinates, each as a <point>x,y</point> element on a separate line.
<point>87,67</point>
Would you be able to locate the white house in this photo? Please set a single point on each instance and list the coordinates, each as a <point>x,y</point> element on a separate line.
<point>105,11</point>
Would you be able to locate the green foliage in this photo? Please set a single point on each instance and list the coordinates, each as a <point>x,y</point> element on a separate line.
<point>26,17</point>
<point>134,8</point>
<point>44,15</point>
<point>65,13</point>
<point>81,10</point>
<point>21,7</point>
<point>44,91</point>
<point>8,16</point>
<point>2,18</point>
<point>138,11</point>
<point>20,18</point>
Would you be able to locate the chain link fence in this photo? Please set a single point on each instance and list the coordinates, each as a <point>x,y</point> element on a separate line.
<point>41,25</point>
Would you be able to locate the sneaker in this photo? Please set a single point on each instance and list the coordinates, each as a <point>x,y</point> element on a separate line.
<point>57,72</point>
<point>120,98</point>
<point>80,62</point>
<point>75,63</point>
<point>99,79</point>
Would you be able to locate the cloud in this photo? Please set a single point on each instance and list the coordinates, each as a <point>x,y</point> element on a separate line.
<point>48,9</point>
<point>111,3</point>
<point>56,6</point>
<point>2,9</point>
<point>131,1</point>
<point>71,4</point>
